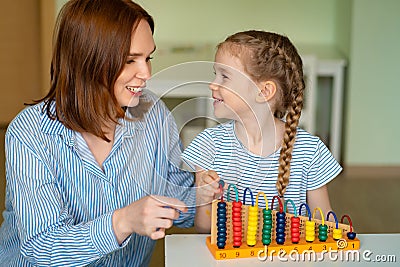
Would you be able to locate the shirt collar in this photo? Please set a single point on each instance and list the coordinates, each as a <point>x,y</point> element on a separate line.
<point>55,127</point>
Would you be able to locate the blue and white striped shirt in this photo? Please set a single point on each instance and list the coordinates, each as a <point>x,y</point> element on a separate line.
<point>219,149</point>
<point>59,202</point>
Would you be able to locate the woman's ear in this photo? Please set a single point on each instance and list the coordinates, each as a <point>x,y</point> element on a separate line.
<point>267,92</point>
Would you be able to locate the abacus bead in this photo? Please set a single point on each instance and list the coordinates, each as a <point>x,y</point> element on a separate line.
<point>266,231</point>
<point>322,237</point>
<point>295,219</point>
<point>266,241</point>
<point>237,223</point>
<point>221,220</point>
<point>295,225</point>
<point>221,223</point>
<point>237,238</point>
<point>323,227</point>
<point>237,234</point>
<point>280,230</point>
<point>267,226</point>
<point>267,221</point>
<point>221,234</point>
<point>236,219</point>
<point>237,204</point>
<point>295,234</point>
<point>351,235</point>
<point>221,239</point>
<point>337,234</point>
<point>280,241</point>
<point>237,228</point>
<point>267,212</point>
<point>252,228</point>
<point>310,238</point>
<point>295,240</point>
<point>280,220</point>
<point>221,245</point>
<point>280,235</point>
<point>280,215</point>
<point>221,204</point>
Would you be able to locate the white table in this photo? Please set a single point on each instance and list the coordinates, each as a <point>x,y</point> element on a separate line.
<point>191,250</point>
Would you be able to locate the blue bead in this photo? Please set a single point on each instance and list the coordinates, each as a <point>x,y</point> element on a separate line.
<point>280,230</point>
<point>221,245</point>
<point>280,235</point>
<point>351,235</point>
<point>280,241</point>
<point>221,220</point>
<point>221,234</point>
<point>221,228</point>
<point>280,220</point>
<point>221,239</point>
<point>280,215</point>
<point>221,204</point>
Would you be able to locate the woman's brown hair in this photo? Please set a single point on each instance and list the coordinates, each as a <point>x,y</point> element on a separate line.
<point>92,39</point>
<point>271,56</point>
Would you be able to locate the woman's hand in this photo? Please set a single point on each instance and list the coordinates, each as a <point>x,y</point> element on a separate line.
<point>149,216</point>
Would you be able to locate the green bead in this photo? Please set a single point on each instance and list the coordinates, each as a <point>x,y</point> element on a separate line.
<point>322,237</point>
<point>267,226</point>
<point>266,241</point>
<point>323,227</point>
<point>267,212</point>
<point>267,222</point>
<point>266,231</point>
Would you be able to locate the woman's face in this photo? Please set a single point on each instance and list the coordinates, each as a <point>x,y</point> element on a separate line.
<point>137,70</point>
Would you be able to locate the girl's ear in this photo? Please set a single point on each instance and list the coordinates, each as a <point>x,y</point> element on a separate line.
<point>267,92</point>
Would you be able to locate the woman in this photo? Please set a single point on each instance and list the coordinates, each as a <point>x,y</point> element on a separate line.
<point>92,169</point>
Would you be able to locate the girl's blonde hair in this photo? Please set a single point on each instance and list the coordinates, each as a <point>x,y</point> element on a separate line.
<point>271,56</point>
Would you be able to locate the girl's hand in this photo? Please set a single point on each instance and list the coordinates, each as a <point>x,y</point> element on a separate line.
<point>208,187</point>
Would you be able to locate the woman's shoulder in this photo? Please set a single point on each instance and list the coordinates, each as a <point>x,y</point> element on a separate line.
<point>28,119</point>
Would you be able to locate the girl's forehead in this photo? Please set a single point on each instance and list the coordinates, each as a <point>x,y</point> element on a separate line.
<point>226,60</point>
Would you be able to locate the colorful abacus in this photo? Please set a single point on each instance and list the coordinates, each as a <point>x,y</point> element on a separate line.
<point>241,231</point>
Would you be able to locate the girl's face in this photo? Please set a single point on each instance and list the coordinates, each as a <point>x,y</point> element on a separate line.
<point>128,87</point>
<point>233,91</point>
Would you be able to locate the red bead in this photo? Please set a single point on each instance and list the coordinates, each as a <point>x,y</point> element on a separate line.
<point>236,234</point>
<point>295,234</point>
<point>237,204</point>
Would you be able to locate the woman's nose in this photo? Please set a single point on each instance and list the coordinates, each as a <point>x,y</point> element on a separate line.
<point>144,72</point>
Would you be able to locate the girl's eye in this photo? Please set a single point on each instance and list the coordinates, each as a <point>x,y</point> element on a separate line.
<point>130,61</point>
<point>224,76</point>
<point>148,59</point>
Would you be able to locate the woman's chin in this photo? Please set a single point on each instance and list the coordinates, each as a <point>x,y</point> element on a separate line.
<point>133,102</point>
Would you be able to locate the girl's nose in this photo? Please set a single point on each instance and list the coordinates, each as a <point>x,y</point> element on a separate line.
<point>213,86</point>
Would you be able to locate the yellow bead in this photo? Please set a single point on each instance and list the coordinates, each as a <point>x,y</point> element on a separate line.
<point>337,234</point>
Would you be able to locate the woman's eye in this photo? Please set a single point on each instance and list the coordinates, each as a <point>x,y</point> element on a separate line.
<point>224,76</point>
<point>130,61</point>
<point>148,59</point>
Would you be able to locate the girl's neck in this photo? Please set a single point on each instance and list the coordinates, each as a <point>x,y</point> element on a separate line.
<point>261,136</point>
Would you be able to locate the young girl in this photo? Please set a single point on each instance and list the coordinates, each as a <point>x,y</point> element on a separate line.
<point>259,87</point>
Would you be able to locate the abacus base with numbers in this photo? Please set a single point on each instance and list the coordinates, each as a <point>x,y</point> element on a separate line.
<point>241,232</point>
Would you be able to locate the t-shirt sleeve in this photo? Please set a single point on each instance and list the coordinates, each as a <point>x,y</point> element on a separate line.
<point>323,167</point>
<point>200,152</point>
